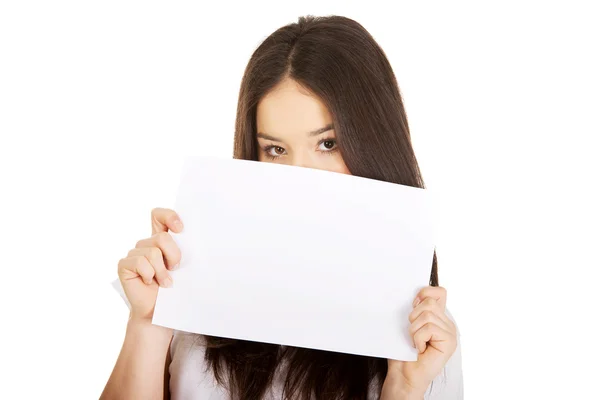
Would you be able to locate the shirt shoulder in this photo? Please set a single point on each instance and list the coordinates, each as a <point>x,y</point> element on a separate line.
<point>189,376</point>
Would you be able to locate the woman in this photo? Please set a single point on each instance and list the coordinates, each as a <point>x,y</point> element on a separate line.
<point>319,93</point>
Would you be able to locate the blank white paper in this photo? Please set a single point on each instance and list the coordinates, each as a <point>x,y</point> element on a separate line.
<point>298,257</point>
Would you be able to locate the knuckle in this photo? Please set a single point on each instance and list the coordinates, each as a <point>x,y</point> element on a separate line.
<point>162,214</point>
<point>162,238</point>
<point>417,335</point>
<point>161,276</point>
<point>146,274</point>
<point>428,315</point>
<point>139,262</point>
<point>154,253</point>
<point>411,317</point>
<point>430,301</point>
<point>412,330</point>
<point>427,292</point>
<point>429,327</point>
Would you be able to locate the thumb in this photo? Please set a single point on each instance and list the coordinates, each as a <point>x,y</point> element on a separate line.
<point>164,219</point>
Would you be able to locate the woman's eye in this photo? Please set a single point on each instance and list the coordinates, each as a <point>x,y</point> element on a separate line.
<point>276,151</point>
<point>327,145</point>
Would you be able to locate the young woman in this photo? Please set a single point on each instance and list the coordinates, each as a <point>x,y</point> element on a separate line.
<point>318,93</point>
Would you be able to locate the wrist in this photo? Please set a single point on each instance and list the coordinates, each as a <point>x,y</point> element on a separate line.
<point>407,395</point>
<point>397,388</point>
<point>144,327</point>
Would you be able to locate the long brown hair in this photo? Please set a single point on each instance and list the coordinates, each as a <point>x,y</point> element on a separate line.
<point>337,60</point>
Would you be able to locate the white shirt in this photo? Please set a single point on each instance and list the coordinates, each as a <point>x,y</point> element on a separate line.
<point>190,379</point>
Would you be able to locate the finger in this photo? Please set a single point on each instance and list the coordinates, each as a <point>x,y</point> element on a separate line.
<point>427,317</point>
<point>139,266</point>
<point>429,304</point>
<point>436,292</point>
<point>433,335</point>
<point>155,257</point>
<point>164,241</point>
<point>164,219</point>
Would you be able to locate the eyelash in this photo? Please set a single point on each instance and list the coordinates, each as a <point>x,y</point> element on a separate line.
<point>267,149</point>
<point>267,152</point>
<point>328,140</point>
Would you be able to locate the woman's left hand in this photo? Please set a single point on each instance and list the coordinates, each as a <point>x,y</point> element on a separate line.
<point>434,336</point>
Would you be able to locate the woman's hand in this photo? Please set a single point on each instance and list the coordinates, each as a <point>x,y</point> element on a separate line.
<point>146,266</point>
<point>434,336</point>
<point>140,369</point>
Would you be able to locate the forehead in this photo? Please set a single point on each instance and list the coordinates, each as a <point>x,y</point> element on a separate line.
<point>291,109</point>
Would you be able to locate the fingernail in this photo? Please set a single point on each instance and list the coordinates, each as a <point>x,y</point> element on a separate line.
<point>168,282</point>
<point>175,266</point>
<point>178,225</point>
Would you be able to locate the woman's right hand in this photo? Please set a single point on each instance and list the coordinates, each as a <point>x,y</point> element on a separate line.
<point>146,266</point>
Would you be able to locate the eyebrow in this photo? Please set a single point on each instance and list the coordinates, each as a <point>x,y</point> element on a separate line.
<point>311,133</point>
<point>321,130</point>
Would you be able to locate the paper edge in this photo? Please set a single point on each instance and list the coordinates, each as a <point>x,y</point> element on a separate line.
<point>116,284</point>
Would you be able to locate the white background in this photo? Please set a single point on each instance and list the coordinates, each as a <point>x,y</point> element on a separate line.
<point>100,102</point>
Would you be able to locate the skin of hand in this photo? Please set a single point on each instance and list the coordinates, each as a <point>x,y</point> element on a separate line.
<point>146,266</point>
<point>434,336</point>
<point>141,371</point>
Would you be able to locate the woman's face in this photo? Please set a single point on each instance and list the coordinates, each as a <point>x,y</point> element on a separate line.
<point>295,128</point>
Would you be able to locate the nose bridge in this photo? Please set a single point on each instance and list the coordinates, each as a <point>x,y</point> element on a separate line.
<point>302,159</point>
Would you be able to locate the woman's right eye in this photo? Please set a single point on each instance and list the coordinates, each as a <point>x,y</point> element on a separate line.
<point>275,151</point>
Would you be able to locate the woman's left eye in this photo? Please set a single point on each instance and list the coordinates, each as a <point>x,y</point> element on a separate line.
<point>327,145</point>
